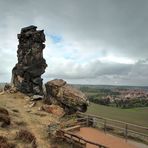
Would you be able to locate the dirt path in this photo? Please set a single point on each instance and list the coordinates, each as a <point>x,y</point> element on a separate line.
<point>104,139</point>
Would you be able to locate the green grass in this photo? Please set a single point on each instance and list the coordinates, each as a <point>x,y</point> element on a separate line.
<point>137,116</point>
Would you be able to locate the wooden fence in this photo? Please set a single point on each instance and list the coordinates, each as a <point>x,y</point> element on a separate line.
<point>123,128</point>
<point>76,139</point>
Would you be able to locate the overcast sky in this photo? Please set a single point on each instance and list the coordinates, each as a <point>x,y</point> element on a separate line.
<point>87,41</point>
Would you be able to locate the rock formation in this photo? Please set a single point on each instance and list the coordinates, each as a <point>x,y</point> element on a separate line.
<point>26,75</point>
<point>64,95</point>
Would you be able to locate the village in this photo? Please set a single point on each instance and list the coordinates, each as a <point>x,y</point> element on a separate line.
<point>117,96</point>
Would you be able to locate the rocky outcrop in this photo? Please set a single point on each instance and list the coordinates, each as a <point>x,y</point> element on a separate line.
<point>69,98</point>
<point>26,75</point>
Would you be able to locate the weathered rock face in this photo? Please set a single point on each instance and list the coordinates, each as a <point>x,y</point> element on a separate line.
<point>69,98</point>
<point>26,75</point>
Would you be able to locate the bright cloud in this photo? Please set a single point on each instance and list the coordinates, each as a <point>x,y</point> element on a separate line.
<point>115,59</point>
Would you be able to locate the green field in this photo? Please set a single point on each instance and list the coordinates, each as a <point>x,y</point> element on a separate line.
<point>137,116</point>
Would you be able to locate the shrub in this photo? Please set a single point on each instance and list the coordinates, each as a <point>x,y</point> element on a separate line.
<point>27,137</point>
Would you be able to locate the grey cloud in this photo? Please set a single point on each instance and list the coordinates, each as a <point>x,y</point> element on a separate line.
<point>90,70</point>
<point>119,26</point>
<point>103,73</point>
<point>112,26</point>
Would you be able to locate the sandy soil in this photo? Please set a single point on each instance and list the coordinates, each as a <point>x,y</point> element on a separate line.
<point>104,139</point>
<point>35,123</point>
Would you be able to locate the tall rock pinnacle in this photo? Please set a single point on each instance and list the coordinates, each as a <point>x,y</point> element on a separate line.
<point>26,75</point>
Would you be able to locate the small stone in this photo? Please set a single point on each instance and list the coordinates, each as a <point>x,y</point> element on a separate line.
<point>37,97</point>
<point>40,109</point>
<point>54,109</point>
<point>27,98</point>
<point>32,105</point>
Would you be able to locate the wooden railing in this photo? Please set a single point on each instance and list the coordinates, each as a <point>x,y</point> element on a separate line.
<point>126,128</point>
<point>79,139</point>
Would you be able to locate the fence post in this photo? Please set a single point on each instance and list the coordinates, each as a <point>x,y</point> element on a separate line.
<point>126,131</point>
<point>87,120</point>
<point>71,141</point>
<point>105,126</point>
<point>94,122</point>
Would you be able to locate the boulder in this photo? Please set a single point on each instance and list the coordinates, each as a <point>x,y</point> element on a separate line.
<point>26,75</point>
<point>68,97</point>
<point>54,109</point>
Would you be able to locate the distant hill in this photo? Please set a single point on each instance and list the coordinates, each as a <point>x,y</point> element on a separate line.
<point>110,86</point>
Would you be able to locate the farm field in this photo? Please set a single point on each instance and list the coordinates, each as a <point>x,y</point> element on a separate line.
<point>137,116</point>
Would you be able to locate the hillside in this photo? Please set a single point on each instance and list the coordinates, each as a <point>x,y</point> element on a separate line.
<point>25,117</point>
<point>134,115</point>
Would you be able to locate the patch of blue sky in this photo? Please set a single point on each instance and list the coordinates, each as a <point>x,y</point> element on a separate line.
<point>67,55</point>
<point>56,38</point>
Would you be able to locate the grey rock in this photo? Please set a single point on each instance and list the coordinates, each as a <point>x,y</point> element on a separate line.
<point>37,97</point>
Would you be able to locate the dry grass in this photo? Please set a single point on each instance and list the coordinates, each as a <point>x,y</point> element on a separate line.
<point>27,137</point>
<point>4,143</point>
<point>35,121</point>
<point>4,119</point>
<point>3,111</point>
<point>20,123</point>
